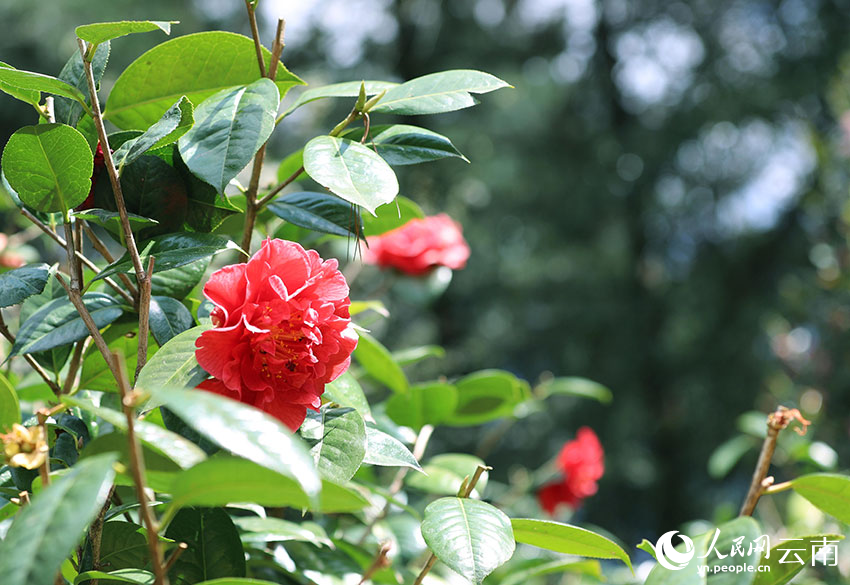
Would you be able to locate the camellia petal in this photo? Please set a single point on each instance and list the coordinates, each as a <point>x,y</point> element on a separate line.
<point>420,245</point>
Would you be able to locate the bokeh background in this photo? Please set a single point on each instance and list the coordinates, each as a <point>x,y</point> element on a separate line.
<point>659,205</point>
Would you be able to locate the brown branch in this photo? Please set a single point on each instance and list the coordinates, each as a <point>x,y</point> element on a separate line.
<point>381,561</point>
<point>265,200</point>
<point>104,251</point>
<point>76,358</point>
<point>4,331</point>
<point>44,468</point>
<point>181,548</point>
<point>255,32</point>
<point>137,465</point>
<point>144,319</point>
<point>96,533</point>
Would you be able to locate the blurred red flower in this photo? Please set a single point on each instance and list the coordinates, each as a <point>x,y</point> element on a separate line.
<point>420,245</point>
<point>582,462</point>
<point>99,164</point>
<point>281,330</point>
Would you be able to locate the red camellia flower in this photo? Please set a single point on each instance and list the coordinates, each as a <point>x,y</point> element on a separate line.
<point>281,330</point>
<point>582,461</point>
<point>419,245</point>
<point>99,164</point>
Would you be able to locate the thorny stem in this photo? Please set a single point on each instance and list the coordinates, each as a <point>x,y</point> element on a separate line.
<point>144,319</point>
<point>465,489</point>
<point>776,422</point>
<point>4,331</point>
<point>137,465</point>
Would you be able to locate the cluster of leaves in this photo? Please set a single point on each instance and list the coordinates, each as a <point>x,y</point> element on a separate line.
<point>238,497</point>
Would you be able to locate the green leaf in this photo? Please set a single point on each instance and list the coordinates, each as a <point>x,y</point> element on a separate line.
<point>49,165</point>
<point>171,251</point>
<point>567,539</point>
<point>230,127</point>
<point>243,430</point>
<point>391,216</point>
<point>828,492</point>
<point>69,111</point>
<point>276,530</point>
<point>174,364</point>
<point>350,170</point>
<point>232,581</point>
<point>159,469</point>
<point>207,207</point>
<point>346,391</point>
<point>344,89</point>
<point>222,480</point>
<point>168,318</point>
<point>29,80</point>
<point>25,95</point>
<point>412,355</point>
<point>46,532</point>
<point>378,363</point>
<point>179,282</point>
<point>182,452</point>
<point>724,457</point>
<point>290,165</point>
<point>121,336</point>
<point>338,438</point>
<point>438,92</point>
<point>744,527</point>
<point>402,144</point>
<point>779,573</point>
<point>471,537</point>
<point>58,323</point>
<point>137,576</point>
<point>21,283</point>
<point>100,32</point>
<point>112,219</point>
<point>215,549</point>
<point>444,474</point>
<point>172,69</point>
<point>320,212</point>
<point>485,396</point>
<point>175,122</point>
<point>571,386</point>
<point>10,409</point>
<point>424,404</point>
<point>687,575</point>
<point>384,449</point>
<point>541,567</point>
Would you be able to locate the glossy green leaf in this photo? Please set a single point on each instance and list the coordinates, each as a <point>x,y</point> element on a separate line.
<point>424,404</point>
<point>25,95</point>
<point>391,216</point>
<point>438,92</point>
<point>444,474</point>
<point>112,219</point>
<point>207,207</point>
<point>10,409</point>
<point>378,363</point>
<point>567,539</point>
<point>32,81</point>
<point>222,480</point>
<point>829,492</point>
<point>778,572</point>
<point>69,111</point>
<point>171,251</point>
<point>174,364</point>
<point>175,122</point>
<point>172,69</point>
<point>49,165</point>
<point>386,450</point>
<point>230,127</point>
<point>344,89</point>
<point>58,323</point>
<point>179,282</point>
<point>137,576</point>
<point>412,355</point>
<point>338,439</point>
<point>471,537</point>
<point>243,430</point>
<point>350,170</point>
<point>21,283</point>
<point>100,32</point>
<point>485,396</point>
<point>46,532</point>
<point>401,144</point>
<point>121,336</point>
<point>255,529</point>
<point>320,212</point>
<point>571,386</point>
<point>168,318</point>
<point>346,391</point>
<point>215,549</point>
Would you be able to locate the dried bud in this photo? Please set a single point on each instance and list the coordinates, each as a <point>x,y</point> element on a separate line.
<point>25,447</point>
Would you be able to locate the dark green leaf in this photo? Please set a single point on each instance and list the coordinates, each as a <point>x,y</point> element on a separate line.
<point>567,539</point>
<point>68,111</point>
<point>391,216</point>
<point>384,449</point>
<point>21,283</point>
<point>436,93</point>
<point>401,144</point>
<point>378,363</point>
<point>174,364</point>
<point>424,404</point>
<point>444,474</point>
<point>338,439</point>
<point>319,212</point>
<point>49,165</point>
<point>215,549</point>
<point>100,32</point>
<point>179,282</point>
<point>829,492</point>
<point>168,318</point>
<point>472,537</point>
<point>175,122</point>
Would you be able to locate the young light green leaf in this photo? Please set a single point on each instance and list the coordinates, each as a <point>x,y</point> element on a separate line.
<point>112,219</point>
<point>172,69</point>
<point>391,216</point>
<point>255,529</point>
<point>175,122</point>
<point>30,80</point>
<point>386,450</point>
<point>10,409</point>
<point>724,457</point>
<point>378,363</point>
<point>46,531</point>
<point>829,492</point>
<point>174,364</point>
<point>540,567</point>
<point>412,355</point>
<point>351,171</point>
<point>168,318</point>
<point>444,474</point>
<point>243,430</point>
<point>572,386</point>
<point>471,537</point>
<point>290,165</point>
<point>21,283</point>
<point>320,212</point>
<point>338,436</point>
<point>346,391</point>
<point>68,111</point>
<point>780,573</point>
<point>100,32</point>
<point>424,404</point>
<point>49,166</point>
<point>230,127</point>
<point>567,539</point>
<point>436,93</point>
<point>344,89</point>
<point>25,95</point>
<point>485,396</point>
<point>58,323</point>
<point>137,576</point>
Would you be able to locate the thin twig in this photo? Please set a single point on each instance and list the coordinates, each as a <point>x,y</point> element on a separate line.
<point>265,200</point>
<point>75,268</point>
<point>137,465</point>
<point>104,251</point>
<point>76,358</point>
<point>44,468</point>
<point>54,387</point>
<point>144,319</point>
<point>181,548</point>
<point>252,18</point>
<point>381,561</point>
<point>96,533</point>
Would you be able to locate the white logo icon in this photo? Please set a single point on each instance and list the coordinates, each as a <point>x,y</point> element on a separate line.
<point>667,555</point>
